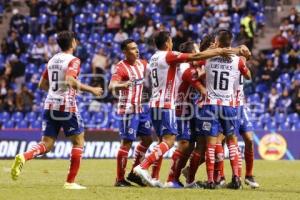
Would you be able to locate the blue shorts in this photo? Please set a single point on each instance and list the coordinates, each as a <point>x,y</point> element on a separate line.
<point>133,125</point>
<point>244,123</point>
<point>184,129</point>
<point>212,116</point>
<point>164,121</point>
<point>53,120</point>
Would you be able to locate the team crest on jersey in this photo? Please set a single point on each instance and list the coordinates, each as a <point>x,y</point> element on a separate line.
<point>131,131</point>
<point>206,126</point>
<point>147,124</point>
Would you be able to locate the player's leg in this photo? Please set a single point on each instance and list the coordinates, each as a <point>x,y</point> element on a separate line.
<point>219,176</point>
<point>73,129</point>
<point>180,155</point>
<point>164,122</point>
<point>50,131</point>
<point>128,125</point>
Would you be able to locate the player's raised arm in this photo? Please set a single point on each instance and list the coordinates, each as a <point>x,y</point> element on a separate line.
<point>44,82</point>
<point>210,53</point>
<point>244,69</point>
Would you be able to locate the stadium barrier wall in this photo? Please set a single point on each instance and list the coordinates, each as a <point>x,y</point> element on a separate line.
<point>105,144</point>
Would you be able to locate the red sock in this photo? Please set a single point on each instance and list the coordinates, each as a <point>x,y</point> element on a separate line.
<point>157,152</point>
<point>240,162</point>
<point>219,162</point>
<point>194,165</point>
<point>178,162</point>
<point>75,159</point>
<point>121,162</point>
<point>234,157</point>
<point>156,168</point>
<point>210,161</point>
<point>139,155</point>
<point>36,150</point>
<point>249,159</point>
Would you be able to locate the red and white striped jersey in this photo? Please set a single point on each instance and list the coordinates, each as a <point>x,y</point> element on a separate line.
<point>61,96</point>
<point>163,76</point>
<point>130,98</point>
<point>187,79</point>
<point>221,74</point>
<point>239,88</point>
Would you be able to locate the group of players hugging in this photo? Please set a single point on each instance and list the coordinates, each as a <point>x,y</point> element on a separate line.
<point>197,99</point>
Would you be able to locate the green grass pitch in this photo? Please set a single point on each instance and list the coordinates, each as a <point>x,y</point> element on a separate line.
<point>43,180</point>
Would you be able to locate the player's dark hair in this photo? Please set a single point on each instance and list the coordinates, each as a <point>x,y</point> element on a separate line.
<point>125,43</point>
<point>161,38</point>
<point>224,38</point>
<point>187,47</point>
<point>207,41</point>
<point>65,39</point>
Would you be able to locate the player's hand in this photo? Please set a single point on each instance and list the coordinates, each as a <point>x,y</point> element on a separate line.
<point>226,52</point>
<point>97,91</point>
<point>244,51</point>
<point>127,84</point>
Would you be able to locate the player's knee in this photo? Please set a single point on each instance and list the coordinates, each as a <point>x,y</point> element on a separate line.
<point>169,140</point>
<point>146,141</point>
<point>183,146</point>
<point>126,143</point>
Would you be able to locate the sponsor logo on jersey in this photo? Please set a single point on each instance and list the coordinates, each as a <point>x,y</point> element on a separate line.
<point>206,126</point>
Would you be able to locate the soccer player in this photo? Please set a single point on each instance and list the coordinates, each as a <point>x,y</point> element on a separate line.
<point>60,109</point>
<point>163,66</point>
<point>134,119</point>
<point>187,76</point>
<point>219,109</point>
<point>245,128</point>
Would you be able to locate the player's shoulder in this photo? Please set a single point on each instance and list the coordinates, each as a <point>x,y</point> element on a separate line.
<point>143,61</point>
<point>184,66</point>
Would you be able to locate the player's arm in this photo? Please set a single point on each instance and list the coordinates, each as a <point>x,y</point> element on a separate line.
<point>44,81</point>
<point>244,69</point>
<point>71,79</point>
<point>119,80</point>
<point>244,51</point>
<point>191,76</point>
<point>77,85</point>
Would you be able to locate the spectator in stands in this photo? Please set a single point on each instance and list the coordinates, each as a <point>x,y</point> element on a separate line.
<point>15,71</point>
<point>284,102</point>
<point>242,37</point>
<point>285,27</point>
<point>273,97</point>
<point>52,47</point>
<point>113,23</point>
<point>249,23</point>
<point>120,36</point>
<point>178,39</point>
<point>100,21</point>
<point>269,73</point>
<point>100,62</point>
<point>224,20</point>
<point>277,60</point>
<point>238,6</point>
<point>141,19</point>
<point>150,29</point>
<point>81,52</point>
<point>293,17</point>
<point>39,53</point>
<point>209,21</point>
<point>3,87</point>
<point>296,102</point>
<point>34,14</point>
<point>65,12</point>
<point>14,44</point>
<point>10,101</point>
<point>128,21</point>
<point>24,100</point>
<point>293,61</point>
<point>193,11</point>
<point>278,41</point>
<point>18,22</point>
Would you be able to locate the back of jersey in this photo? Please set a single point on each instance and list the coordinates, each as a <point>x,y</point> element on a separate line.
<point>221,75</point>
<point>61,96</point>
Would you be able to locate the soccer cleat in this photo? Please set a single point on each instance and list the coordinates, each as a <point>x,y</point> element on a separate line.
<point>195,185</point>
<point>210,185</point>
<point>173,184</point>
<point>235,183</point>
<point>144,175</point>
<point>122,183</point>
<point>156,183</point>
<point>17,166</point>
<point>221,183</point>
<point>73,186</point>
<point>185,172</point>
<point>249,180</point>
<point>135,179</point>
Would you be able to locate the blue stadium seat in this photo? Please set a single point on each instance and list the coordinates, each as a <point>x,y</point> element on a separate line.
<point>285,126</point>
<point>36,124</point>
<point>17,116</point>
<point>43,19</point>
<point>271,126</point>
<point>279,88</point>
<point>4,116</point>
<point>80,19</point>
<point>101,7</point>
<point>114,124</point>
<point>31,116</point>
<point>152,9</point>
<point>85,115</point>
<point>31,69</point>
<point>95,38</point>
<point>42,38</point>
<point>236,18</point>
<point>261,88</point>
<point>143,48</point>
<point>92,18</point>
<point>293,118</point>
<point>28,39</point>
<point>260,18</point>
<point>22,124</point>
<point>139,7</point>
<point>258,126</point>
<point>8,124</point>
<point>254,98</point>
<point>156,17</point>
<point>297,77</point>
<point>265,118</point>
<point>108,38</point>
<point>285,79</point>
<point>280,118</point>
